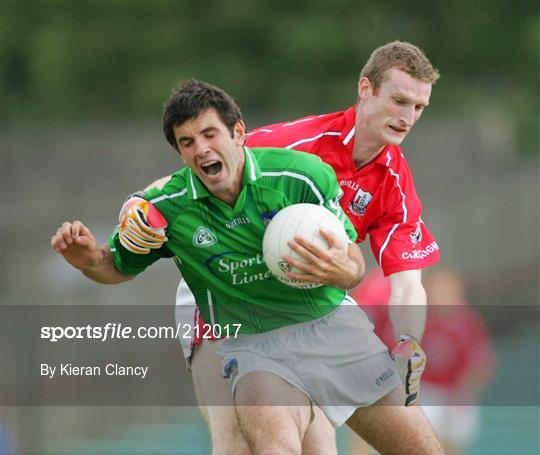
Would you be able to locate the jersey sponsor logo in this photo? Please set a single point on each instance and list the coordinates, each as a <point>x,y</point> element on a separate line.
<point>204,237</point>
<point>416,236</point>
<point>237,222</point>
<point>350,184</point>
<point>238,267</point>
<point>421,253</point>
<point>360,202</point>
<point>266,217</point>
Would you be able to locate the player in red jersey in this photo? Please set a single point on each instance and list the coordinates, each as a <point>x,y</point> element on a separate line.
<point>362,145</point>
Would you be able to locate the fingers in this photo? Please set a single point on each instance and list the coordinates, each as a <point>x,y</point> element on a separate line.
<point>308,250</point>
<point>66,234</point>
<point>332,239</point>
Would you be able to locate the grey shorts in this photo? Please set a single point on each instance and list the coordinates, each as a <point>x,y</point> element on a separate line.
<point>336,360</point>
<point>186,315</point>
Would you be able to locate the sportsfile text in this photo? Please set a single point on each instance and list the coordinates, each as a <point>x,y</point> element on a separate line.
<point>118,331</point>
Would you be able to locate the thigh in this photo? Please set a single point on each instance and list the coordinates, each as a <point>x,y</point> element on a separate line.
<point>320,438</point>
<point>391,427</point>
<point>215,401</point>
<point>266,424</point>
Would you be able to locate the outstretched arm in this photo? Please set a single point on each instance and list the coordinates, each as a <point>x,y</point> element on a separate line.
<point>407,312</point>
<point>407,308</point>
<point>79,247</point>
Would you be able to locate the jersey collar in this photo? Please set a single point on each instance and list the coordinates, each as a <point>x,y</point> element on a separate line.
<point>347,133</point>
<point>250,174</point>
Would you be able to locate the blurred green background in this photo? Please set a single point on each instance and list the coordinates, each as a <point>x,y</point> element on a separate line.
<point>81,89</point>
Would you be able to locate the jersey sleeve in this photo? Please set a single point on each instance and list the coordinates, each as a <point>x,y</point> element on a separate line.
<point>298,134</point>
<point>400,240</point>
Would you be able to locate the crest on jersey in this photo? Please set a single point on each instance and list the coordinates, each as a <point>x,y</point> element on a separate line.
<point>266,217</point>
<point>360,202</point>
<point>416,236</point>
<point>204,237</point>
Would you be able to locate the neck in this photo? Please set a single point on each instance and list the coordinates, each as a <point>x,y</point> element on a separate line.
<point>230,196</point>
<point>364,152</point>
<point>365,148</point>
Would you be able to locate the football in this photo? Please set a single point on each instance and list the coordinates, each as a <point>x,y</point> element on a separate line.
<point>304,220</point>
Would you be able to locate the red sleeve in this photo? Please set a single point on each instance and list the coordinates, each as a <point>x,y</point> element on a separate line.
<point>400,240</point>
<point>300,134</point>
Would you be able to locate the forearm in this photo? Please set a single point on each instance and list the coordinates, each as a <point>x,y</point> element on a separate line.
<point>407,308</point>
<point>102,269</point>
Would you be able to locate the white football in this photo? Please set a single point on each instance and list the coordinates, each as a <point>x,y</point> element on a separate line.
<point>304,220</point>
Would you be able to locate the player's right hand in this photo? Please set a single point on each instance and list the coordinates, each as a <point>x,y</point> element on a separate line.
<point>142,226</point>
<point>76,244</point>
<point>410,362</point>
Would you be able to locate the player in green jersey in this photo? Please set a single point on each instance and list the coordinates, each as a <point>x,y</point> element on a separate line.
<point>215,209</point>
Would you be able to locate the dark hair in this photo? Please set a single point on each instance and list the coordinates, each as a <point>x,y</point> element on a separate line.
<point>193,98</point>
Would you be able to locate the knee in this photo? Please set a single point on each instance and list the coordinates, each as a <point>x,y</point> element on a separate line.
<point>230,445</point>
<point>282,447</point>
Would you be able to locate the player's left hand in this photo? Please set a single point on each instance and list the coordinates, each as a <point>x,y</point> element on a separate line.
<point>142,227</point>
<point>410,362</point>
<point>334,266</point>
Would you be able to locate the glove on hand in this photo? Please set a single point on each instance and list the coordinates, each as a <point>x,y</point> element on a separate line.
<point>142,227</point>
<point>411,362</point>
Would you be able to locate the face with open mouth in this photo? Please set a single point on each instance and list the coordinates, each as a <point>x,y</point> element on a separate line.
<point>388,114</point>
<point>217,158</point>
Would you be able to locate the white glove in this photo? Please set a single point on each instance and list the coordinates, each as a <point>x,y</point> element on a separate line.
<point>142,226</point>
<point>410,362</point>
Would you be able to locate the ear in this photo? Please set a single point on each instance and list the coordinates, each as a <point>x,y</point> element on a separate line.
<point>365,88</point>
<point>240,133</point>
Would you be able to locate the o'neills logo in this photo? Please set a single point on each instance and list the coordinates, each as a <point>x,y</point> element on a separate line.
<point>383,377</point>
<point>421,254</point>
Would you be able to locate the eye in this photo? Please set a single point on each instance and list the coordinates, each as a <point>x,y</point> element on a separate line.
<point>399,101</point>
<point>419,108</point>
<point>184,143</point>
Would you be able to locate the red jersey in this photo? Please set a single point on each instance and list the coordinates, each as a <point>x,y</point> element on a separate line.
<point>379,198</point>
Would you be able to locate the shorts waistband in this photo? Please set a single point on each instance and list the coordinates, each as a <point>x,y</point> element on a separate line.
<point>347,300</point>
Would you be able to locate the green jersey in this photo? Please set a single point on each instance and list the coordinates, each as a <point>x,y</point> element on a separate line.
<point>218,248</point>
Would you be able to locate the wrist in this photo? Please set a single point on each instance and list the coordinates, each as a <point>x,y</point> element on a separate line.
<point>354,278</point>
<point>94,261</point>
<point>405,337</point>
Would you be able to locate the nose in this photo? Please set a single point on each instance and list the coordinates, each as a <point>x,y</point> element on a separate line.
<point>408,116</point>
<point>201,148</point>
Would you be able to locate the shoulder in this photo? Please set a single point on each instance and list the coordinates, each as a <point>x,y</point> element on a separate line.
<point>159,183</point>
<point>286,159</point>
<point>296,171</point>
<point>170,187</point>
<point>287,134</point>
